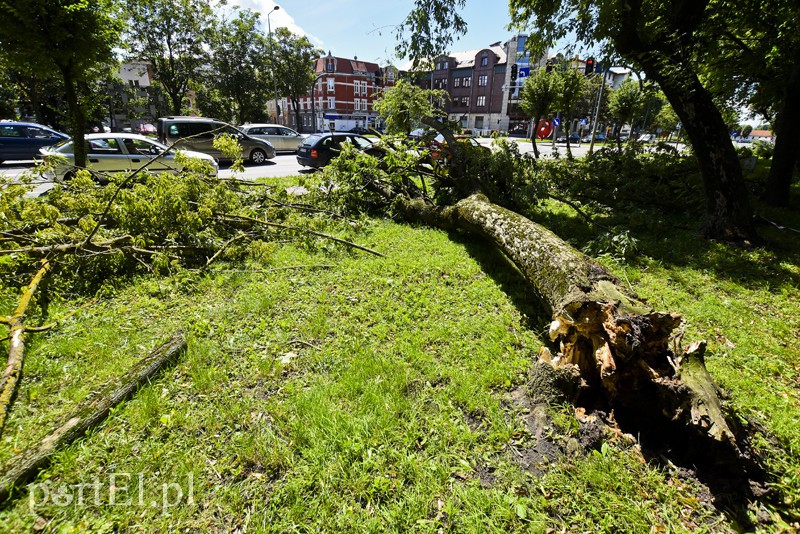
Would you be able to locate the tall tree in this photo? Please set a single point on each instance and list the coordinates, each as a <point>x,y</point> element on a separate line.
<point>755,62</point>
<point>574,88</point>
<point>72,40</point>
<point>240,70</point>
<point>173,36</point>
<point>625,103</point>
<point>405,105</point>
<point>294,67</point>
<point>538,99</point>
<point>660,38</point>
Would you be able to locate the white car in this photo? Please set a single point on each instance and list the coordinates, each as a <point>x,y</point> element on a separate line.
<point>282,138</point>
<point>107,153</point>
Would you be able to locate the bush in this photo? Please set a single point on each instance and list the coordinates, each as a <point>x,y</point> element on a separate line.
<point>763,149</point>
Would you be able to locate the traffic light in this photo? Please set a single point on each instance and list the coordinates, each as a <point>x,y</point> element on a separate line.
<point>513,72</point>
<point>549,66</point>
<point>589,69</point>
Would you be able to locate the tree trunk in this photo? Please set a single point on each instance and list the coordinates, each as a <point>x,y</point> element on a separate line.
<point>728,212</point>
<point>617,343</point>
<point>88,414</point>
<point>787,142</point>
<point>534,136</point>
<point>77,117</point>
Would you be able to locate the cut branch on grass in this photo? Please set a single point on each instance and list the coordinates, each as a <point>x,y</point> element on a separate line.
<point>234,217</point>
<point>74,247</point>
<point>16,346</point>
<point>88,414</point>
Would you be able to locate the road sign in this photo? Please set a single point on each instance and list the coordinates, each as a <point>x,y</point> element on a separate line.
<point>584,122</point>
<point>523,72</point>
<point>556,121</point>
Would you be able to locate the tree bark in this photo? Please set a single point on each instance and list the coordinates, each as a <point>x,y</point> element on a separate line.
<point>535,135</point>
<point>729,215</point>
<point>787,142</point>
<point>88,414</point>
<point>77,116</point>
<point>619,345</point>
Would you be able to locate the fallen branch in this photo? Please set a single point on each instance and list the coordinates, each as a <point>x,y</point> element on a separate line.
<point>68,247</point>
<point>88,414</point>
<point>233,217</point>
<point>16,346</point>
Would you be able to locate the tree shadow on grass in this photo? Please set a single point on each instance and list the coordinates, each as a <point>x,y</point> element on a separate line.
<point>506,275</point>
<point>675,240</point>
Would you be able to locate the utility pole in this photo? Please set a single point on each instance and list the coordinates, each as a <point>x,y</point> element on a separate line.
<point>597,110</point>
<point>272,59</point>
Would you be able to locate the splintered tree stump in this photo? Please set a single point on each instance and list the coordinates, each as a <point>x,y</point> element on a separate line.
<point>619,345</point>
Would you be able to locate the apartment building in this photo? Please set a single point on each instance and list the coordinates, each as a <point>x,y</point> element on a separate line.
<point>342,96</point>
<point>484,85</point>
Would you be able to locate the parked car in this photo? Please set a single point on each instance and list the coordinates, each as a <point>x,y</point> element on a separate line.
<point>573,138</point>
<point>319,149</point>
<point>198,133</point>
<point>118,152</point>
<point>359,130</point>
<point>442,153</point>
<point>598,138</point>
<point>22,140</point>
<point>146,128</point>
<point>282,138</point>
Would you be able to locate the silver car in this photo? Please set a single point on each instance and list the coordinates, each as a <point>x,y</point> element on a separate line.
<point>108,153</point>
<point>282,138</point>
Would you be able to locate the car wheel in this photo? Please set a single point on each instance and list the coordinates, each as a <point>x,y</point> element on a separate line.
<point>258,156</point>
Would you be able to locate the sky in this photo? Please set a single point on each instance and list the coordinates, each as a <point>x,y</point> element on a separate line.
<point>366,28</point>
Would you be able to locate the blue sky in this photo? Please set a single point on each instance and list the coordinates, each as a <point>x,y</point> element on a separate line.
<point>365,28</point>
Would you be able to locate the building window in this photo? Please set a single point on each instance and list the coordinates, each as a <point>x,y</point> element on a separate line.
<point>331,102</point>
<point>478,123</point>
<point>481,101</point>
<point>330,85</point>
<point>484,59</point>
<point>465,101</point>
<point>467,81</point>
<point>456,82</point>
<point>482,80</point>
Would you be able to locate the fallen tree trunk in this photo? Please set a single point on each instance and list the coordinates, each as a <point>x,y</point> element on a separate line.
<point>619,345</point>
<point>88,414</point>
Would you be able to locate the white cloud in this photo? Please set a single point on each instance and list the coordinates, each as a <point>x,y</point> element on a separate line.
<point>277,19</point>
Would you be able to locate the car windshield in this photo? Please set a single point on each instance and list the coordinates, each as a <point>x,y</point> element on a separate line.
<point>312,140</point>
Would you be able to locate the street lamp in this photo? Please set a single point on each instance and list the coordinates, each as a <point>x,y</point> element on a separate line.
<point>272,60</point>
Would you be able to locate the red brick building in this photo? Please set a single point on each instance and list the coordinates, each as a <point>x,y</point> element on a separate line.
<point>343,94</point>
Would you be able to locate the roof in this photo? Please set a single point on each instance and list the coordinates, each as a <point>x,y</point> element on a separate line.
<point>467,57</point>
<point>760,133</point>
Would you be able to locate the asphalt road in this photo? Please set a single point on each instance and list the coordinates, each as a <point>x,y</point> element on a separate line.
<point>281,165</point>
<point>286,164</point>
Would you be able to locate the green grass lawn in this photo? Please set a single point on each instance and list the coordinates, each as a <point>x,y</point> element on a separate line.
<point>342,392</point>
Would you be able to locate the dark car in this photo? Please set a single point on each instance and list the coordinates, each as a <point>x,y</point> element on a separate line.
<point>573,138</point>
<point>598,138</point>
<point>359,130</point>
<point>22,140</point>
<point>319,149</point>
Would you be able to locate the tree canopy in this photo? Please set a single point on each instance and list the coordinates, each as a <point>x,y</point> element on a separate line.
<point>173,37</point>
<point>404,105</point>
<point>294,66</point>
<point>71,40</point>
